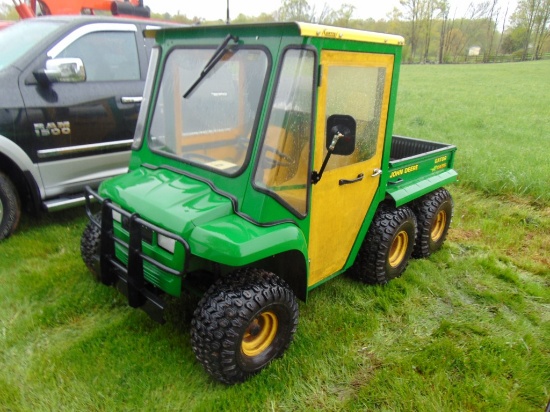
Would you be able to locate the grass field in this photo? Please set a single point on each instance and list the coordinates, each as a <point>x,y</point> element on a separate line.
<point>497,114</point>
<point>466,330</point>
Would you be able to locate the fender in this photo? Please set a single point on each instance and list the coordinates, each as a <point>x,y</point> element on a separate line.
<point>233,241</point>
<point>30,170</point>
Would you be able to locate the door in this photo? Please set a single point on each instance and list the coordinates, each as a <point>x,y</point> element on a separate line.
<point>82,131</point>
<point>357,85</point>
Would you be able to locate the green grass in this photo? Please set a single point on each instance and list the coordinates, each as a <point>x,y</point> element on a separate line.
<point>498,115</point>
<point>466,330</point>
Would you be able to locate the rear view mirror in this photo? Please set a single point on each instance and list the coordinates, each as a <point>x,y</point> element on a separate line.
<point>65,70</point>
<point>340,135</point>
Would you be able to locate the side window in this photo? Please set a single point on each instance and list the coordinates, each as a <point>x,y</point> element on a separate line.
<point>149,44</point>
<point>358,92</point>
<point>283,165</point>
<point>107,56</point>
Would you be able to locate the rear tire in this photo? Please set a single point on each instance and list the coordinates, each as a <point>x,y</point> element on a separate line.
<point>10,207</point>
<point>387,247</point>
<point>434,212</point>
<point>242,323</point>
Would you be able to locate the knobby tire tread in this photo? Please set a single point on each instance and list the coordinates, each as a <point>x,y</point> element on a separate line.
<point>426,209</point>
<point>371,263</point>
<point>90,246</point>
<point>224,313</point>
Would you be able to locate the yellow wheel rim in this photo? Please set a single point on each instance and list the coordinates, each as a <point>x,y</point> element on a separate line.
<point>260,334</point>
<point>439,226</point>
<point>398,249</point>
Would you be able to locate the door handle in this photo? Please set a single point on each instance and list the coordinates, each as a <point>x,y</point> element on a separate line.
<point>376,172</point>
<point>137,99</point>
<point>359,177</point>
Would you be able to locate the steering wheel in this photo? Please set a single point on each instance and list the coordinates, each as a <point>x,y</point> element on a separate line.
<point>284,161</point>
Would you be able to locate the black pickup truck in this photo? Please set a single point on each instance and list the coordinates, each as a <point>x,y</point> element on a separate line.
<point>71,92</point>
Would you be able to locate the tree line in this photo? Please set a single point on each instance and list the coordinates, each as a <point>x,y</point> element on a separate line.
<point>490,25</point>
<point>434,30</point>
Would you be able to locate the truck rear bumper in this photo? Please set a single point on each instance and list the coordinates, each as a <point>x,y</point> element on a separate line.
<point>129,279</point>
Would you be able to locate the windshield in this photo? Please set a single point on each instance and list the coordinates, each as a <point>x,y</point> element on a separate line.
<point>18,39</point>
<point>212,126</point>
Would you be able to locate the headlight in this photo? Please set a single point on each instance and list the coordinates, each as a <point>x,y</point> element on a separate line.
<point>166,243</point>
<point>117,216</point>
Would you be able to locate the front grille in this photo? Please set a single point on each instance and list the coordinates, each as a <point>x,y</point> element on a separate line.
<point>146,232</point>
<point>151,273</point>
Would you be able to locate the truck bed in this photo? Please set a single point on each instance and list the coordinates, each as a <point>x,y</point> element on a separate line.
<point>417,167</point>
<point>405,147</point>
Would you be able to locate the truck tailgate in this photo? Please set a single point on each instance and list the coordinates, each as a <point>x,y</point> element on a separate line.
<point>418,167</point>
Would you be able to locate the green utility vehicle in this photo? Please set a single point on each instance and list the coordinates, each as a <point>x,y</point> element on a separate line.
<point>263,165</point>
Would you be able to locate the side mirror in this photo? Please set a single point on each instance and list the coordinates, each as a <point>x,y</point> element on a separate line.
<point>340,140</point>
<point>64,70</point>
<point>340,135</point>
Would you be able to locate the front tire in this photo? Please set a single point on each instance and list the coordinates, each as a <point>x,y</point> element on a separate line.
<point>433,213</point>
<point>90,246</point>
<point>10,207</point>
<point>242,323</point>
<point>387,247</point>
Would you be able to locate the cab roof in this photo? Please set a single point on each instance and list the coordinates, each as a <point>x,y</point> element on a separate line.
<point>319,30</point>
<point>307,30</point>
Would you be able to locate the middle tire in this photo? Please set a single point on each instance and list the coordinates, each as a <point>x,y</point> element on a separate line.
<point>243,322</point>
<point>387,247</point>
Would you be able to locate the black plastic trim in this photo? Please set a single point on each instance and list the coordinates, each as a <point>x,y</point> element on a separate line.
<point>112,271</point>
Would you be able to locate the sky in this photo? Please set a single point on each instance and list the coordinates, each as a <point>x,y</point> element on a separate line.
<point>216,9</point>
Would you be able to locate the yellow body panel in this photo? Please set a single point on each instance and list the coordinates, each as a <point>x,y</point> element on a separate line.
<point>338,211</point>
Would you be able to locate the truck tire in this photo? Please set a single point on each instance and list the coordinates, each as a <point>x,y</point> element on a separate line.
<point>387,247</point>
<point>90,244</point>
<point>243,322</point>
<point>10,207</point>
<point>433,212</point>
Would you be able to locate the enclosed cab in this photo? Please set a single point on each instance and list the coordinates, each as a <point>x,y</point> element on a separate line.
<point>262,166</point>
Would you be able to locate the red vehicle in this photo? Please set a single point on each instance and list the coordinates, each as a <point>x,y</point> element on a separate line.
<point>58,7</point>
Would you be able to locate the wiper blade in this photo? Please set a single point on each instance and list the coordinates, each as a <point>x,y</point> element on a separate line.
<point>218,54</point>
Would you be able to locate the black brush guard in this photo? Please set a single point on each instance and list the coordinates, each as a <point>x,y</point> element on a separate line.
<point>130,280</point>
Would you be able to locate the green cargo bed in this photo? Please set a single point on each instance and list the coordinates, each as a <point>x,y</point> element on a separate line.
<point>418,167</point>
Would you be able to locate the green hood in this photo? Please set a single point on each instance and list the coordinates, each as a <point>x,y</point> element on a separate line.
<point>168,199</point>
